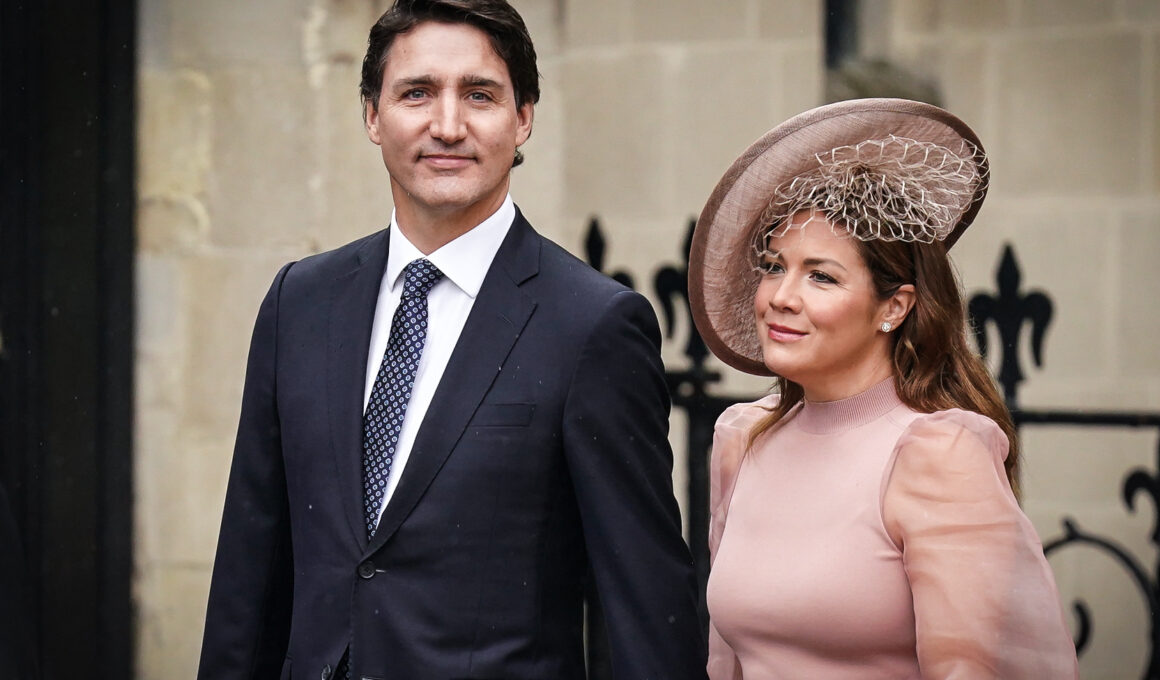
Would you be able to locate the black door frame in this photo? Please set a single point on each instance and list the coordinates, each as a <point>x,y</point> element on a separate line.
<point>67,248</point>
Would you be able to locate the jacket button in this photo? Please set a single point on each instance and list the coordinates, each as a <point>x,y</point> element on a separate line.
<point>326,672</point>
<point>366,570</point>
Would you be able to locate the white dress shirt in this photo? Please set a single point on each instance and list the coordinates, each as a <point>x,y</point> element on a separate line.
<point>464,263</point>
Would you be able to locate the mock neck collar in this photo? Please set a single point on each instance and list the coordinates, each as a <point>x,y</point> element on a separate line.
<point>824,417</point>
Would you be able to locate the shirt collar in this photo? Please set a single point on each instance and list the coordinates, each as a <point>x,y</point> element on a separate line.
<point>465,260</point>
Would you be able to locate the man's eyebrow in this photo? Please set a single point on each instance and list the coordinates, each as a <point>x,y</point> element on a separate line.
<point>480,81</point>
<point>413,81</point>
<point>466,81</point>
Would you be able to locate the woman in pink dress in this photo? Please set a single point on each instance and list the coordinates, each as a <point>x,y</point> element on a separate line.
<point>865,522</point>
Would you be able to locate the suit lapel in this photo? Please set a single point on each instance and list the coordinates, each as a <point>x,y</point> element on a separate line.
<point>348,342</point>
<point>497,318</point>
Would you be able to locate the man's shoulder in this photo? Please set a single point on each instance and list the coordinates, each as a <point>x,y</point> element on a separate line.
<point>558,264</point>
<point>340,260</point>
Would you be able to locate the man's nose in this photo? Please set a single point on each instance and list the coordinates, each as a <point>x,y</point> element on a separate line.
<point>447,120</point>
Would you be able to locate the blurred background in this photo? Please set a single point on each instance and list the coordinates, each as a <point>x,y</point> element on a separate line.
<point>161,159</point>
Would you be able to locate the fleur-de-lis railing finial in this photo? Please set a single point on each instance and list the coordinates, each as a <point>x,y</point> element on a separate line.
<point>672,284</point>
<point>594,247</point>
<point>1008,311</point>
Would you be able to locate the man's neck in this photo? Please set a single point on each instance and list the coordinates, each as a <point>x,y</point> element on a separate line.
<point>430,229</point>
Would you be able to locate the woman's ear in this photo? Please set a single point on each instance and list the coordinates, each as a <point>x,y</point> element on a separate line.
<point>896,308</point>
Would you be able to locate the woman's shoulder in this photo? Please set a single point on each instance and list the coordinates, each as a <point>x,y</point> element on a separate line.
<point>944,432</point>
<point>743,416</point>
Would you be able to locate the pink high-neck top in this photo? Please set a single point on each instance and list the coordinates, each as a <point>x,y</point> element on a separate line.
<point>864,540</point>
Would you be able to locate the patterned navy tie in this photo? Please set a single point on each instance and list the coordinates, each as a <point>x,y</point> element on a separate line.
<point>393,385</point>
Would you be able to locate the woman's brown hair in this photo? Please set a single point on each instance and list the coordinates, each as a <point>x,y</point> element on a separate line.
<point>934,366</point>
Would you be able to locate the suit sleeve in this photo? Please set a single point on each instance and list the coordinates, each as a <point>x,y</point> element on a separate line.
<point>985,601</point>
<point>248,619</point>
<point>616,444</point>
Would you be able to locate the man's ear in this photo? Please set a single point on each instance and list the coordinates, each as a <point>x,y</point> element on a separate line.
<point>371,121</point>
<point>524,116</point>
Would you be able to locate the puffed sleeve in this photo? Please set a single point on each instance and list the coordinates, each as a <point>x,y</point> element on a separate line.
<point>985,600</point>
<point>730,439</point>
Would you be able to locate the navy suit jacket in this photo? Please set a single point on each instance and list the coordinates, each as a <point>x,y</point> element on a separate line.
<point>542,457</point>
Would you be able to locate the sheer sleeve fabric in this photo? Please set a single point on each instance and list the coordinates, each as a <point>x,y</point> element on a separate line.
<point>730,439</point>
<point>985,600</point>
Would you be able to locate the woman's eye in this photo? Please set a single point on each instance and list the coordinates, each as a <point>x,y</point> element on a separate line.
<point>770,267</point>
<point>822,277</point>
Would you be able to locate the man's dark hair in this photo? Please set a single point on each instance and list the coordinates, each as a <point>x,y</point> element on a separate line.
<point>501,23</point>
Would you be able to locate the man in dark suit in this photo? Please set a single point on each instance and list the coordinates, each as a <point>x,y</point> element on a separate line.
<point>447,424</point>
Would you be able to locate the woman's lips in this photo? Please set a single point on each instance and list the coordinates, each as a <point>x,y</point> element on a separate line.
<point>779,333</point>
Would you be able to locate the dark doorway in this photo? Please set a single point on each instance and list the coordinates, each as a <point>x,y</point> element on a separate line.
<point>67,78</point>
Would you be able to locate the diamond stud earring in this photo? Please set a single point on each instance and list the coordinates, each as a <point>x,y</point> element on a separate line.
<point>886,327</point>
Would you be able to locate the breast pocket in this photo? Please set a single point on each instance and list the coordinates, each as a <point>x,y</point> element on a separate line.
<point>503,415</point>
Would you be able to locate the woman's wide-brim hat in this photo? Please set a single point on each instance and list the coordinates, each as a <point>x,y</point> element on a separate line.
<point>857,133</point>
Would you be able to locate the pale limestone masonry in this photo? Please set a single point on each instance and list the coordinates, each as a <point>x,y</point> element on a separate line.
<point>252,153</point>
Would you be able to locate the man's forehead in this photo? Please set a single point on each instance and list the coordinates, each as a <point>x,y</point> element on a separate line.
<point>442,47</point>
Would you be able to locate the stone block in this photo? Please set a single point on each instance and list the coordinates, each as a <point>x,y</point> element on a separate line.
<point>351,191</point>
<point>223,32</point>
<point>956,70</point>
<point>335,32</point>
<point>1137,279</point>
<point>689,20</point>
<point>729,105</point>
<point>544,19</point>
<point>154,434</point>
<point>159,384</point>
<point>171,604</point>
<point>1118,647</point>
<point>171,223</point>
<point>801,75</point>
<point>174,130</point>
<point>1070,115</point>
<point>678,440</point>
<point>263,158</point>
<point>619,142</point>
<point>790,19</point>
<point>538,186</point>
<point>1085,13</point>
<point>596,23</point>
<point>189,485</point>
<point>1151,128</point>
<point>1066,466</point>
<point>222,295</point>
<point>1050,245</point>
<point>989,15</point>
<point>160,313</point>
<point>916,16</point>
<point>963,80</point>
<point>1137,11</point>
<point>154,46</point>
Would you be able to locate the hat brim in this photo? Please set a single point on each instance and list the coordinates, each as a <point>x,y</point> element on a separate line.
<point>722,283</point>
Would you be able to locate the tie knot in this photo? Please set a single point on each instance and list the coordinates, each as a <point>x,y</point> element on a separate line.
<point>418,278</point>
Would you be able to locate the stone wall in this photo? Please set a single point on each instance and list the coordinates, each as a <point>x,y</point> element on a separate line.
<point>252,153</point>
